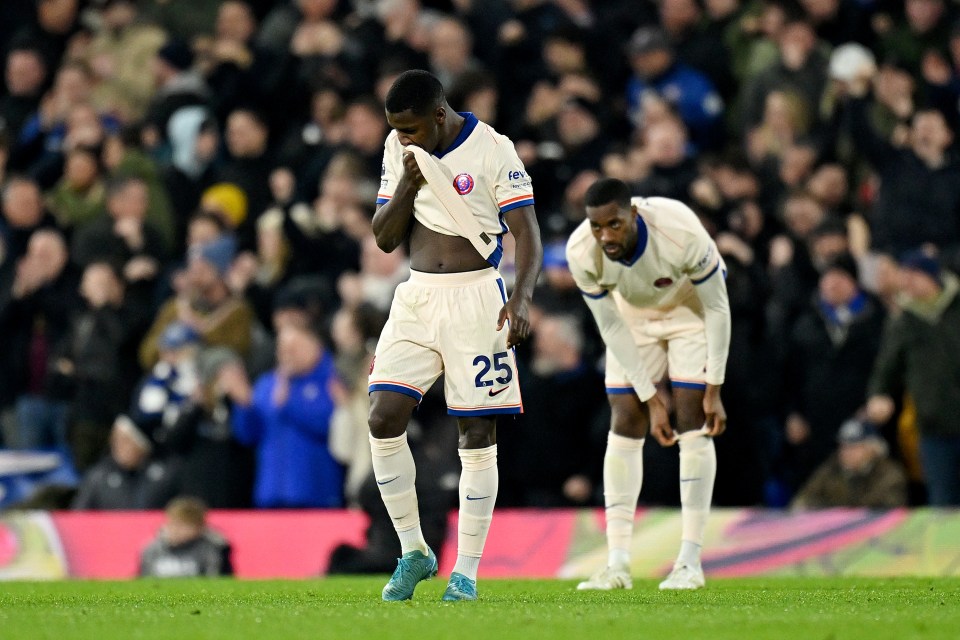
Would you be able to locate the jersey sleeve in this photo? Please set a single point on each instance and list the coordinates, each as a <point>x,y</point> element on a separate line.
<point>583,270</point>
<point>512,185</point>
<point>701,259</point>
<point>390,170</point>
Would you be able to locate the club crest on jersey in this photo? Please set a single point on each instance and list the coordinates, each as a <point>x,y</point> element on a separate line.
<point>463,183</point>
<point>660,283</point>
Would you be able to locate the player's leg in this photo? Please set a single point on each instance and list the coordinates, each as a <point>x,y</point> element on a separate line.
<point>404,367</point>
<point>396,474</point>
<point>622,481</point>
<point>698,458</point>
<point>479,482</point>
<point>623,468</point>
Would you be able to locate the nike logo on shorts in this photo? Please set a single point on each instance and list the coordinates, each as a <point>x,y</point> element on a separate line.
<point>493,393</point>
<point>470,497</point>
<point>387,481</point>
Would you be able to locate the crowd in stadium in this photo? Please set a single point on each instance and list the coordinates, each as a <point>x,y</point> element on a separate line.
<point>190,290</point>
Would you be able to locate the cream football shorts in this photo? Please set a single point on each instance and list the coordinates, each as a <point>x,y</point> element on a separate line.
<point>447,323</point>
<point>672,342</point>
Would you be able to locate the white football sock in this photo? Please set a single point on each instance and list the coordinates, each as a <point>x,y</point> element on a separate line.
<point>698,470</point>
<point>622,479</point>
<point>396,477</point>
<point>479,482</point>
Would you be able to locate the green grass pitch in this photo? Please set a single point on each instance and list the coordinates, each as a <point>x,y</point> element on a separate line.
<point>350,608</point>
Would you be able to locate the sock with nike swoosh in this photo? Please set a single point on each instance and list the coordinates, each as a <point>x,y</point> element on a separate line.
<point>698,470</point>
<point>622,480</point>
<point>479,482</point>
<point>396,476</point>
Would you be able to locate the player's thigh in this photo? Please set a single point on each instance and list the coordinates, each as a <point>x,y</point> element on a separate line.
<point>687,367</point>
<point>653,357</point>
<point>406,362</point>
<point>480,372</point>
<point>628,416</point>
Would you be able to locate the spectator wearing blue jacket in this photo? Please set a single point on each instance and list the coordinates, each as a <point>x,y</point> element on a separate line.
<point>285,417</point>
<point>658,75</point>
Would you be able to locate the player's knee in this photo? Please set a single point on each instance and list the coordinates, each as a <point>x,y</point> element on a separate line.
<point>385,425</point>
<point>629,424</point>
<point>477,434</point>
<point>690,420</point>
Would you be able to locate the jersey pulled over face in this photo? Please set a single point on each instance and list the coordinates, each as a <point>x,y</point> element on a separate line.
<point>488,175</point>
<point>673,253</point>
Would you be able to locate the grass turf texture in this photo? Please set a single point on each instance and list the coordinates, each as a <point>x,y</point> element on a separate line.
<point>748,609</point>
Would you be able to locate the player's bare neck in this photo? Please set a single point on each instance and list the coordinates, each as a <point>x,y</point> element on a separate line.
<point>451,129</point>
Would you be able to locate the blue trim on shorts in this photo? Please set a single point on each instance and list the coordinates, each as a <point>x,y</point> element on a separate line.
<point>396,388</point>
<point>484,411</point>
<point>619,391</point>
<point>503,290</point>
<point>688,385</point>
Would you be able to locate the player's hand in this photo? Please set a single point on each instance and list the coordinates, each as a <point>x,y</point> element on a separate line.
<point>716,415</point>
<point>660,422</point>
<point>411,170</point>
<point>517,313</point>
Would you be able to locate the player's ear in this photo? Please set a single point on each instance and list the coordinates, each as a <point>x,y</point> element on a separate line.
<point>440,115</point>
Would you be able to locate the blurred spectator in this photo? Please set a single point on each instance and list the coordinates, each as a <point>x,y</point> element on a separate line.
<point>926,27</point>
<point>121,48</point>
<point>80,196</point>
<point>194,154</point>
<point>55,23</point>
<point>248,167</point>
<point>205,303</point>
<point>450,51</point>
<point>859,474</point>
<point>236,69</point>
<point>669,169</point>
<point>830,353</point>
<point>177,86</point>
<point>658,74</point>
<point>197,428</point>
<point>354,332</point>
<point>124,236</point>
<point>163,391</point>
<point>25,78</point>
<point>130,477</point>
<point>285,417</point>
<point>800,70</point>
<point>123,157</point>
<point>185,547</point>
<point>919,197</point>
<point>38,295</point>
<point>23,213</point>
<point>567,469</point>
<point>96,365</point>
<point>918,353</point>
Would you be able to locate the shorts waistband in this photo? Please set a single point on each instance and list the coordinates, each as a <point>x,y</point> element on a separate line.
<point>453,279</point>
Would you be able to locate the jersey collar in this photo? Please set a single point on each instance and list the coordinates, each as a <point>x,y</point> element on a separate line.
<point>641,243</point>
<point>469,125</point>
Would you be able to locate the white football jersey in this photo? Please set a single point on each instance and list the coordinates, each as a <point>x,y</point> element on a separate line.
<point>674,252</point>
<point>487,172</point>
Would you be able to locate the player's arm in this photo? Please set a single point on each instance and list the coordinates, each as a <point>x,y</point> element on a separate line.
<point>393,218</point>
<point>528,259</point>
<point>711,289</point>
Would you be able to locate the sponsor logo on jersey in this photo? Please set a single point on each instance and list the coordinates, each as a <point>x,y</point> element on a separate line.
<point>706,260</point>
<point>383,168</point>
<point>463,183</point>
<point>516,175</point>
